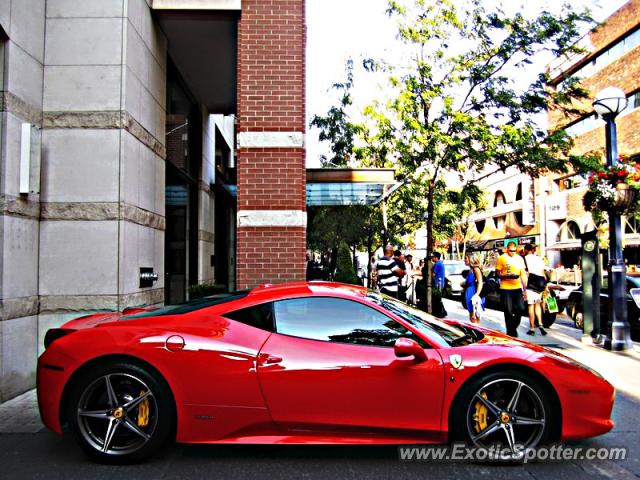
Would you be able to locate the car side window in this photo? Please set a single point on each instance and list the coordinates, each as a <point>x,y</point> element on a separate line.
<point>338,320</point>
<point>259,316</point>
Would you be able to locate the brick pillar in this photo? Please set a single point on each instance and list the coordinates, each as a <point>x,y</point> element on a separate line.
<point>271,157</point>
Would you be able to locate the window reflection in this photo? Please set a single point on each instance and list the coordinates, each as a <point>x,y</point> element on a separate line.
<point>338,320</point>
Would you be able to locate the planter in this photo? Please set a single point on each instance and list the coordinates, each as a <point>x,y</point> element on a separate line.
<point>625,195</point>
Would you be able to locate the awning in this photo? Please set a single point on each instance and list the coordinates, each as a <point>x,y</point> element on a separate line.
<point>479,244</point>
<point>344,186</point>
<point>347,186</point>
<point>566,245</point>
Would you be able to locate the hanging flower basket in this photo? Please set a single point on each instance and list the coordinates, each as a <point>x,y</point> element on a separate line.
<point>613,189</point>
<point>624,197</point>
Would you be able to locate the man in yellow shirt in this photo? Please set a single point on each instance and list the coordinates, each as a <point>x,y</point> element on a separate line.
<point>510,269</point>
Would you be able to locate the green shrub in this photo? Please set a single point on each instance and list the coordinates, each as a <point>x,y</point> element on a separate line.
<point>345,272</point>
<point>205,289</point>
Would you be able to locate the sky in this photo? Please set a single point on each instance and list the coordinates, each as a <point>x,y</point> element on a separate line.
<point>342,29</point>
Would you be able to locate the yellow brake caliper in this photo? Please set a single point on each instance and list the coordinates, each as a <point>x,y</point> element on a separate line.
<point>480,417</point>
<point>143,412</point>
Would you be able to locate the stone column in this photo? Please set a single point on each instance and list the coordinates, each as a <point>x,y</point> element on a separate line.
<point>103,157</point>
<point>22,25</point>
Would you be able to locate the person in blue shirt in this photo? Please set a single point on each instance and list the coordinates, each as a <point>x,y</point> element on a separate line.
<point>438,271</point>
<point>437,307</point>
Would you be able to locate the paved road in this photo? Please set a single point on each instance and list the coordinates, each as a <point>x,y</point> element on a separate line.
<point>40,454</point>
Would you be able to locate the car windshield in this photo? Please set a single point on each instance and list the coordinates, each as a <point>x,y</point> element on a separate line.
<point>454,268</point>
<point>434,329</point>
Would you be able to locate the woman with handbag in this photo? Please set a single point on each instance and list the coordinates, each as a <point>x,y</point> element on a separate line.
<point>473,282</point>
<point>536,285</point>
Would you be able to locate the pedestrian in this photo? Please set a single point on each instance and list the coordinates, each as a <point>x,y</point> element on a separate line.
<point>510,269</point>
<point>409,279</point>
<point>402,286</point>
<point>536,284</point>
<point>438,270</point>
<point>437,307</point>
<point>474,281</point>
<point>388,273</point>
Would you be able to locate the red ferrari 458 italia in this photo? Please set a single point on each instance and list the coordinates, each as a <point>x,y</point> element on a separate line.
<point>307,363</point>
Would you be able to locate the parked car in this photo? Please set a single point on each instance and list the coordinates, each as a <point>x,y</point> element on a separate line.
<point>493,299</point>
<point>575,307</point>
<point>307,363</point>
<point>454,278</point>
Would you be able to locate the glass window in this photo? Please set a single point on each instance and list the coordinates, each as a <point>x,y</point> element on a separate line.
<point>338,320</point>
<point>190,306</point>
<point>434,329</point>
<point>258,316</point>
<point>454,268</point>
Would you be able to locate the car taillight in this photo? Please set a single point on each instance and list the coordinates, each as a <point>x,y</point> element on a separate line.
<point>55,333</point>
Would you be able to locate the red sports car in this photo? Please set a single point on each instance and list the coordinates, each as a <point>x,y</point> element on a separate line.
<point>307,363</point>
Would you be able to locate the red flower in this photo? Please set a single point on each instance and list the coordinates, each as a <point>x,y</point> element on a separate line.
<point>622,173</point>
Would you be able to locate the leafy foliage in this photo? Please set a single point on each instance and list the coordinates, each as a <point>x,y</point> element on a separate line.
<point>336,128</point>
<point>457,106</point>
<point>345,271</point>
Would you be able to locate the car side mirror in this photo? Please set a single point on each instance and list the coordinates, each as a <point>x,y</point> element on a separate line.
<point>405,347</point>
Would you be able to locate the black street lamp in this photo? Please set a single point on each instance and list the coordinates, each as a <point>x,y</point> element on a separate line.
<point>608,104</point>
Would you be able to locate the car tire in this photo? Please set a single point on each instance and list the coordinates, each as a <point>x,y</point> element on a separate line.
<point>120,412</point>
<point>548,319</point>
<point>482,414</point>
<point>578,319</point>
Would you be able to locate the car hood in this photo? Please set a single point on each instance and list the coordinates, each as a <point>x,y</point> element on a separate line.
<point>494,338</point>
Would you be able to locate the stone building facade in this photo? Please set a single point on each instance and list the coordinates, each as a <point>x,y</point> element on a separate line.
<point>122,122</point>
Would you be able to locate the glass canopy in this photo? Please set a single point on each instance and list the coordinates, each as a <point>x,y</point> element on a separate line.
<point>345,186</point>
<point>327,194</point>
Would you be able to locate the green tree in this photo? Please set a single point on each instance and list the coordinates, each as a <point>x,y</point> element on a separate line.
<point>336,126</point>
<point>345,271</point>
<point>355,225</point>
<point>457,106</point>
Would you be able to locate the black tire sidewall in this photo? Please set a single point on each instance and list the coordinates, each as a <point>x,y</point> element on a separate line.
<point>548,319</point>
<point>161,393</point>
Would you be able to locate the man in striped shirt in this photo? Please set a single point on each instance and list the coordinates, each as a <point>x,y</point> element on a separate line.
<point>388,273</point>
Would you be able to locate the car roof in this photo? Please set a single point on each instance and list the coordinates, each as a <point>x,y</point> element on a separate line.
<point>307,288</point>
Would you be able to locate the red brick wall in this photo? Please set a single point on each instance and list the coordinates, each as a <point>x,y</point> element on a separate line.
<point>270,255</point>
<point>623,73</point>
<point>271,66</point>
<point>271,98</point>
<point>616,25</point>
<point>271,179</point>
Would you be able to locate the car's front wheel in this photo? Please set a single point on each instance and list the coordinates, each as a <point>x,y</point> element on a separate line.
<point>507,411</point>
<point>120,412</point>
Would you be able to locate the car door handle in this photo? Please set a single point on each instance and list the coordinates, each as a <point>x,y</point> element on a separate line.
<point>267,359</point>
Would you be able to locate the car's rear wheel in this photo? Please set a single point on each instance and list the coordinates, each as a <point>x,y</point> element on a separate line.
<point>508,411</point>
<point>120,412</point>
<point>578,319</point>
